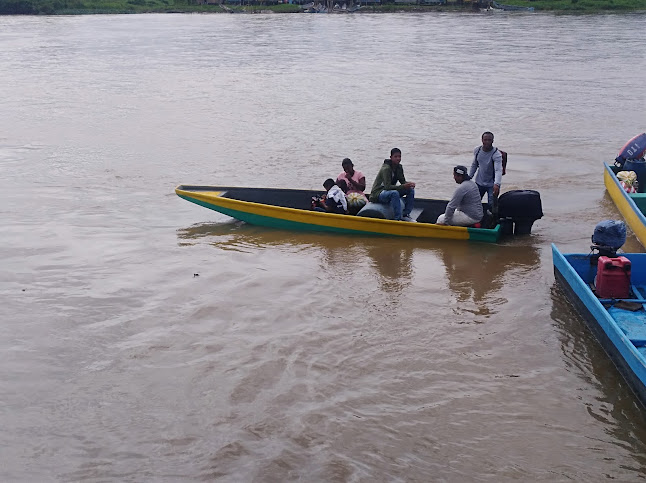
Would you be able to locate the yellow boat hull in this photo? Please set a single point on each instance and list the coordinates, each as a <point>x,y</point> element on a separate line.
<point>273,216</point>
<point>629,205</point>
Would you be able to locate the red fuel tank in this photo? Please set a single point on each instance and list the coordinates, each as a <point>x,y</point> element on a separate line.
<point>613,278</point>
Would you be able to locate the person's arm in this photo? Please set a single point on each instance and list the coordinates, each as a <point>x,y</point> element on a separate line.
<point>386,179</point>
<point>497,169</point>
<point>362,184</point>
<point>358,186</point>
<point>404,185</point>
<point>474,163</point>
<point>376,186</point>
<point>453,205</point>
<point>400,175</point>
<point>343,200</point>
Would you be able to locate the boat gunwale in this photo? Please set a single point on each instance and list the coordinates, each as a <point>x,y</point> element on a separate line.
<point>607,331</point>
<point>616,191</point>
<point>331,220</point>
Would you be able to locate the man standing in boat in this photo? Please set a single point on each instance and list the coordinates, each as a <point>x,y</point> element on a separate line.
<point>465,208</point>
<point>487,160</point>
<point>385,189</point>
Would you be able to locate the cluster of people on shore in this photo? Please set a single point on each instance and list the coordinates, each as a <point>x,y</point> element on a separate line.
<point>346,194</point>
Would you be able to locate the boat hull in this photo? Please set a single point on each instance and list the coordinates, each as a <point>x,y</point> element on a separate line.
<point>627,204</point>
<point>613,331</point>
<point>290,218</point>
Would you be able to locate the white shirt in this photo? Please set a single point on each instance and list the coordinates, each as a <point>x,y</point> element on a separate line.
<point>338,195</point>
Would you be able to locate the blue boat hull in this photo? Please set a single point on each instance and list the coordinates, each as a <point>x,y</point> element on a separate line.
<point>622,333</point>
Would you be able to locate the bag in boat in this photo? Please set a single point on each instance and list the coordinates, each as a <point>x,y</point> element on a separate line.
<point>628,181</point>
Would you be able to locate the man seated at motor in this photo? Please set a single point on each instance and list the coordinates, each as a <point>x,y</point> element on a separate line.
<point>386,190</point>
<point>334,200</point>
<point>465,208</point>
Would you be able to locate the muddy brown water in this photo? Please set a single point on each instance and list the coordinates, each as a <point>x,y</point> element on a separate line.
<point>144,338</point>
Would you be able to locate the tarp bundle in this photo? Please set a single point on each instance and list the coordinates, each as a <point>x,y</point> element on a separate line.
<point>610,233</point>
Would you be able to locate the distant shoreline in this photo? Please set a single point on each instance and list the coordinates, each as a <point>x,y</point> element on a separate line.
<point>97,7</point>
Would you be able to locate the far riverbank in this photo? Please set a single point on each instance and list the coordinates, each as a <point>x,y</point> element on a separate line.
<point>85,7</point>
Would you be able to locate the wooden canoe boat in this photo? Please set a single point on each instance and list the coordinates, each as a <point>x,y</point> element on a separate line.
<point>631,205</point>
<point>620,330</point>
<point>290,209</point>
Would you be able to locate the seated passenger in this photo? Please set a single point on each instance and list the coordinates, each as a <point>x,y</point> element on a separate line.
<point>355,180</point>
<point>356,183</point>
<point>465,208</point>
<point>385,188</point>
<point>334,201</point>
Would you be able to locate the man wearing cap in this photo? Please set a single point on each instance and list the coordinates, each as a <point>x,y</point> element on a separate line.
<point>465,208</point>
<point>386,190</point>
<point>487,160</point>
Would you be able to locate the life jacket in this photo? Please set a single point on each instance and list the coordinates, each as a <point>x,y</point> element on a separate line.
<point>504,158</point>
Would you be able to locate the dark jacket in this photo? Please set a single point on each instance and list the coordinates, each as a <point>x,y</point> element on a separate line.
<point>386,180</point>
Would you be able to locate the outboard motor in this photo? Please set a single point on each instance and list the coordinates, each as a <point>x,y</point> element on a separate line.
<point>608,237</point>
<point>631,158</point>
<point>518,210</point>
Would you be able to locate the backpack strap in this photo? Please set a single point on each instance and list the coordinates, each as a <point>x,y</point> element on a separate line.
<point>502,153</point>
<point>478,152</point>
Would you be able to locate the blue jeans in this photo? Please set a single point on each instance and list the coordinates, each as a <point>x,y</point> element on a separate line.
<point>392,198</point>
<point>489,191</point>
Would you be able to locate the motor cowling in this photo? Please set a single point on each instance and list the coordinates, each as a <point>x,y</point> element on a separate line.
<point>518,210</point>
<point>635,148</point>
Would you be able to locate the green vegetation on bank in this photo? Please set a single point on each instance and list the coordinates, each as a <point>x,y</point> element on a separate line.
<point>72,7</point>
<point>582,6</point>
<point>75,7</point>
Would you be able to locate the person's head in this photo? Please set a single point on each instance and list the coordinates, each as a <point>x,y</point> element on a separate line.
<point>347,165</point>
<point>328,183</point>
<point>487,140</point>
<point>395,155</point>
<point>460,174</point>
<point>343,185</point>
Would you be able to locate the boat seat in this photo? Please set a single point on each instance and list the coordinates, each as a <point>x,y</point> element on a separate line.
<point>639,199</point>
<point>633,324</point>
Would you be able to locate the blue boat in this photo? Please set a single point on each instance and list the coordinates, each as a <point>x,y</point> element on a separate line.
<point>618,324</point>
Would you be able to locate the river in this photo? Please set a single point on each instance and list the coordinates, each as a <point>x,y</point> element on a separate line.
<point>144,338</point>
